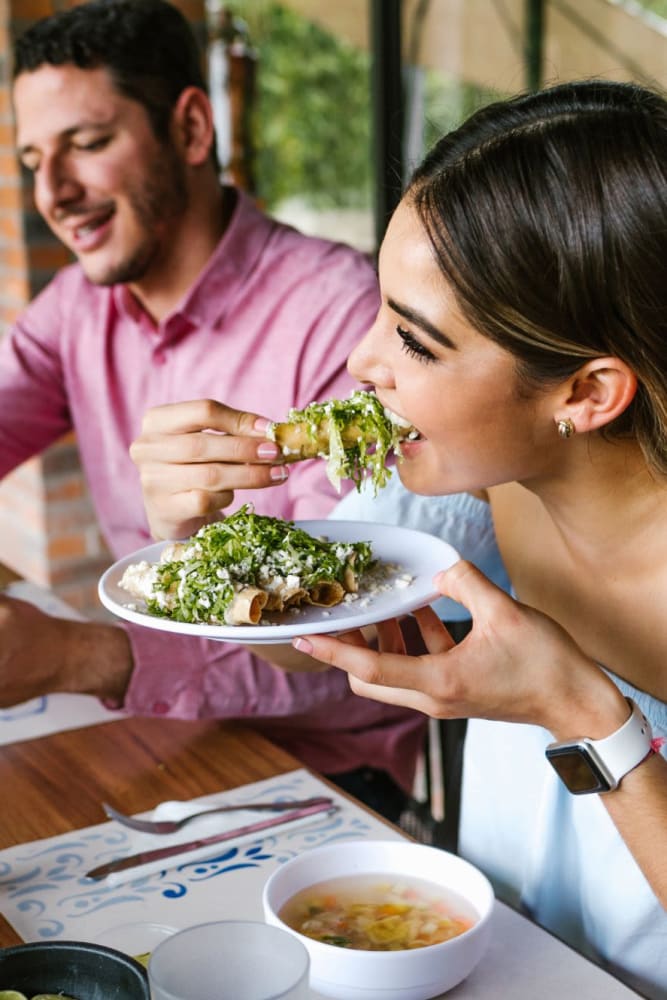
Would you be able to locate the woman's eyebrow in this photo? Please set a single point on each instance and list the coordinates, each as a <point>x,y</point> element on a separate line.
<point>415,317</point>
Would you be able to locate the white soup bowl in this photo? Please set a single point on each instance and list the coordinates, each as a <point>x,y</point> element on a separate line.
<point>409,974</point>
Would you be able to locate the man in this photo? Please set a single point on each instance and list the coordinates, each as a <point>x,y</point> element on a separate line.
<point>182,290</point>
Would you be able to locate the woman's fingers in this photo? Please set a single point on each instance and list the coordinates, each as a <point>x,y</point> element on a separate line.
<point>392,678</point>
<point>390,637</point>
<point>465,584</point>
<point>214,477</point>
<point>193,456</point>
<point>376,668</point>
<point>348,654</point>
<point>202,446</point>
<point>436,637</point>
<point>198,414</point>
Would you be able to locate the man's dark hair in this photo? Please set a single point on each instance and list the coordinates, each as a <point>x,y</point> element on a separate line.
<point>147,46</point>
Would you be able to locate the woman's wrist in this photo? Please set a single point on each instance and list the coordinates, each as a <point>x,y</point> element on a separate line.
<point>591,706</point>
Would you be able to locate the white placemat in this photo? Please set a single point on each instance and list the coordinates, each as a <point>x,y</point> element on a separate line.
<point>52,713</point>
<point>203,827</point>
<point>45,895</point>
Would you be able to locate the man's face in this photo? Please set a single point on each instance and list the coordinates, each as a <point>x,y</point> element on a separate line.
<point>102,181</point>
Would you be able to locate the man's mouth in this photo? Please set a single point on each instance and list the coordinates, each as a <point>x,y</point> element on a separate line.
<point>82,228</point>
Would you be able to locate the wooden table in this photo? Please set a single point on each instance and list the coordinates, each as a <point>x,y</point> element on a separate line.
<point>132,763</point>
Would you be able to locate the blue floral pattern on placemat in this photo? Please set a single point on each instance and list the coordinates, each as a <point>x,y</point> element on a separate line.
<point>44,893</point>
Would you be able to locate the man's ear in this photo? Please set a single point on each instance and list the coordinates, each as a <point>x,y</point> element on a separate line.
<point>192,124</point>
<point>599,392</point>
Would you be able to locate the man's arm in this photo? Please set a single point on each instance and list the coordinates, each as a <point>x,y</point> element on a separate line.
<point>182,676</point>
<point>41,654</point>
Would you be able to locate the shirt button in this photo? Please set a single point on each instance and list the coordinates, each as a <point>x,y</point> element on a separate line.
<point>160,708</point>
<point>159,357</point>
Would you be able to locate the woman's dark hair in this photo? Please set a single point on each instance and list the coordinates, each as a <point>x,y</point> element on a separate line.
<point>147,46</point>
<point>548,216</point>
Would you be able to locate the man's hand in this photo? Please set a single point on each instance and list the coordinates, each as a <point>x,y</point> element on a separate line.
<point>40,654</point>
<point>192,456</point>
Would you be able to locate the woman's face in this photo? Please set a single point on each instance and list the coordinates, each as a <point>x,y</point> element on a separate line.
<point>458,388</point>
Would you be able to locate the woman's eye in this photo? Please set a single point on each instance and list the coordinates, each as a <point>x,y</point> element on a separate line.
<point>413,347</point>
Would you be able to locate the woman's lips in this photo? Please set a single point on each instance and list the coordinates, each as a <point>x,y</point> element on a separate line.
<point>410,447</point>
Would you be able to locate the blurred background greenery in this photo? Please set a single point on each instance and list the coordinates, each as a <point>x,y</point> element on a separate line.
<point>311,117</point>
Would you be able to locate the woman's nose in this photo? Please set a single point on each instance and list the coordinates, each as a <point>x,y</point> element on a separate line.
<point>366,364</point>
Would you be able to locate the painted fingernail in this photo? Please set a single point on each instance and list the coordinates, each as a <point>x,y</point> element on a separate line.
<point>268,449</point>
<point>303,645</point>
<point>261,425</point>
<point>279,473</point>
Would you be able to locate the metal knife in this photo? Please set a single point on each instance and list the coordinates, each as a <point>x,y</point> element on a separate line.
<point>144,857</point>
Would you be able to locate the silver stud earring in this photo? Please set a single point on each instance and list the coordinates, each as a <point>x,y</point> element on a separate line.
<point>565,427</point>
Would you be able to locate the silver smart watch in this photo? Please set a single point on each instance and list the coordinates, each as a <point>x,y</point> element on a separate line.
<point>586,766</point>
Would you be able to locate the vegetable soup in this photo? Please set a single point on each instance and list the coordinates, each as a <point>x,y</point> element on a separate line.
<point>378,913</point>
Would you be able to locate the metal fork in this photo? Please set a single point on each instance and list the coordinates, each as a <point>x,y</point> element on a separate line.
<point>172,825</point>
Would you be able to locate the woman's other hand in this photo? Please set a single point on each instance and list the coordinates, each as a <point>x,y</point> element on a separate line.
<point>516,664</point>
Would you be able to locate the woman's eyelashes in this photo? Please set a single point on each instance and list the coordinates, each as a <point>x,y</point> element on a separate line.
<point>413,347</point>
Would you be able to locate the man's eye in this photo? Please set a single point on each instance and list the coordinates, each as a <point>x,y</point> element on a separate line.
<point>93,146</point>
<point>413,347</point>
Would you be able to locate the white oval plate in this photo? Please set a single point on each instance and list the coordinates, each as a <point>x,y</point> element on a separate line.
<point>418,554</point>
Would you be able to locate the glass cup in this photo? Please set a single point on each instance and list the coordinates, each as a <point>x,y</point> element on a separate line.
<point>136,939</point>
<point>230,960</point>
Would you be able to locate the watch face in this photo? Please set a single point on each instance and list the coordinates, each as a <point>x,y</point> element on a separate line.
<point>577,770</point>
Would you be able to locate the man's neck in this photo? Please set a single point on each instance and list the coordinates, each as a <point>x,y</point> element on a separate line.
<point>192,245</point>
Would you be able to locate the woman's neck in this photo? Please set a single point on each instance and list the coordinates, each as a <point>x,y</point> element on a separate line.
<point>603,490</point>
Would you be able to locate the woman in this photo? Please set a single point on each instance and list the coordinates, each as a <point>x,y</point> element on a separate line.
<point>523,331</point>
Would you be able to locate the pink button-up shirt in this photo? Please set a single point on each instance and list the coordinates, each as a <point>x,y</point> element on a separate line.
<point>268,325</point>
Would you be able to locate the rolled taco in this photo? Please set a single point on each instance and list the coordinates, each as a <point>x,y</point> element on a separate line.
<point>356,436</point>
<point>235,571</point>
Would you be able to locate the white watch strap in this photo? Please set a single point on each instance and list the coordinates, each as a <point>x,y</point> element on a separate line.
<point>628,746</point>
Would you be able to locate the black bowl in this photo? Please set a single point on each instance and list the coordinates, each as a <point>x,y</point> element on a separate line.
<point>79,970</point>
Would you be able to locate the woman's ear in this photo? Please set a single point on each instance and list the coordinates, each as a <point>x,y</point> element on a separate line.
<point>599,392</point>
<point>192,124</point>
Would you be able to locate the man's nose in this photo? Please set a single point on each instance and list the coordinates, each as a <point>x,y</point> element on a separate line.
<point>55,187</point>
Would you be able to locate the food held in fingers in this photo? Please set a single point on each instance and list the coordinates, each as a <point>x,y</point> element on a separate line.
<point>356,436</point>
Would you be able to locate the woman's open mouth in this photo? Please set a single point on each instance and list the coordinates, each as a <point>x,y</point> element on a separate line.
<point>407,431</point>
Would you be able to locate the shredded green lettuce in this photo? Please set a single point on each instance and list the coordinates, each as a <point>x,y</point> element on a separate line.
<point>246,549</point>
<point>365,458</point>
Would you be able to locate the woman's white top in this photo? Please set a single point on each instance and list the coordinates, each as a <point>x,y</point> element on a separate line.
<point>558,857</point>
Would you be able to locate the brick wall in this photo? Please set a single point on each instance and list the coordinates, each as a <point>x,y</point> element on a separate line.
<point>48,530</point>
